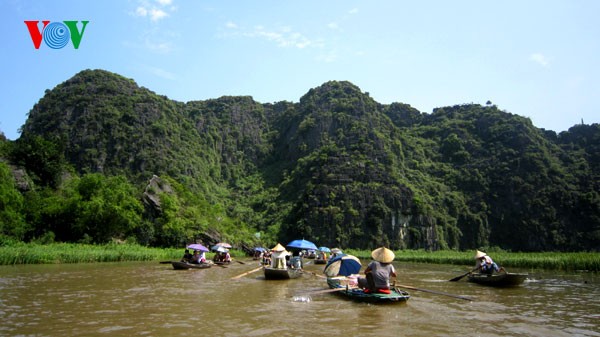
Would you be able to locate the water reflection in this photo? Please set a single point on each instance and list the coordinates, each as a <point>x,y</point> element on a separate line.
<point>150,299</point>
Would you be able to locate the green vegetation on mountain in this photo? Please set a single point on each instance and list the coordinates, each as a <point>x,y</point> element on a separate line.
<point>102,159</point>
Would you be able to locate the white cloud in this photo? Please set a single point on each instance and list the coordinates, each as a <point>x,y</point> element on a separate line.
<point>284,37</point>
<point>159,72</point>
<point>539,59</point>
<point>329,57</point>
<point>159,47</point>
<point>141,11</point>
<point>353,11</point>
<point>333,26</point>
<point>155,11</point>
<point>157,14</point>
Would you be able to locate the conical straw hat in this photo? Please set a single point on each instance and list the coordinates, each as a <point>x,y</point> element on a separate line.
<point>278,248</point>
<point>383,255</point>
<point>479,255</point>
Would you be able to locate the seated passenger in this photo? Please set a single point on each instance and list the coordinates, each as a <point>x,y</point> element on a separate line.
<point>196,258</point>
<point>187,256</point>
<point>378,272</point>
<point>485,264</point>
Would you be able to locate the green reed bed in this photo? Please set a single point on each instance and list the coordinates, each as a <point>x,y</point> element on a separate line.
<point>588,261</point>
<point>27,253</point>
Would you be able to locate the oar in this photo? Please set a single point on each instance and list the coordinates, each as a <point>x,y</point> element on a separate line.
<point>166,262</point>
<point>246,273</point>
<point>434,292</point>
<point>238,261</point>
<point>463,275</point>
<point>324,291</point>
<point>313,273</point>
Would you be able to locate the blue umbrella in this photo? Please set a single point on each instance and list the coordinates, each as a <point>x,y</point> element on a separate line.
<point>197,246</point>
<point>220,249</point>
<point>260,249</point>
<point>302,244</point>
<point>342,265</point>
<point>325,249</point>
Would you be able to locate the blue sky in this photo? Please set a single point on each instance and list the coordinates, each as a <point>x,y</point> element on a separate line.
<point>538,59</point>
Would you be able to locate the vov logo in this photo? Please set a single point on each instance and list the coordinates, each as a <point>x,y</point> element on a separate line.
<point>56,35</point>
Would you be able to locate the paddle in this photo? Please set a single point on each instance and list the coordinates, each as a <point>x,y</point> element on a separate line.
<point>313,273</point>
<point>323,291</point>
<point>165,262</point>
<point>434,292</point>
<point>246,273</point>
<point>463,275</point>
<point>240,262</point>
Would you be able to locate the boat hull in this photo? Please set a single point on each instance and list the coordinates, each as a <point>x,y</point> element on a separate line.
<point>498,280</point>
<point>222,263</point>
<point>178,265</point>
<point>357,294</point>
<point>281,274</point>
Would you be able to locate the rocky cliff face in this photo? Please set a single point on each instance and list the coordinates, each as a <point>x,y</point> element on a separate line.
<point>339,167</point>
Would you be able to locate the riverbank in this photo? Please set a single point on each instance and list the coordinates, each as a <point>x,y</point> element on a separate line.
<point>572,261</point>
<point>29,253</point>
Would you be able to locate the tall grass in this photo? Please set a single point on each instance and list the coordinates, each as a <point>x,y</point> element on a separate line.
<point>588,261</point>
<point>30,253</point>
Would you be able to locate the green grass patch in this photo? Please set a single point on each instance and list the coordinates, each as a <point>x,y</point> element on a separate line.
<point>30,253</point>
<point>587,261</point>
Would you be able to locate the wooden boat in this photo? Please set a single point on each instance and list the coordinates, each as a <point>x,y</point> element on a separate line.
<point>178,265</point>
<point>498,280</point>
<point>357,294</point>
<point>281,274</point>
<point>222,263</point>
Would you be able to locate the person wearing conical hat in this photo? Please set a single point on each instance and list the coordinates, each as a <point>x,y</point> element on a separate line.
<point>278,248</point>
<point>485,264</point>
<point>278,257</point>
<point>378,272</point>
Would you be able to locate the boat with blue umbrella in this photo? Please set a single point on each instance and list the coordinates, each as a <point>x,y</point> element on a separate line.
<point>342,278</point>
<point>258,252</point>
<point>302,245</point>
<point>322,255</point>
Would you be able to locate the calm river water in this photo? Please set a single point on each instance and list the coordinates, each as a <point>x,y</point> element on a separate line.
<point>152,299</point>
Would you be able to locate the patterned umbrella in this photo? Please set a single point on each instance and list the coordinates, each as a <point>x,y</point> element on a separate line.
<point>223,244</point>
<point>342,265</point>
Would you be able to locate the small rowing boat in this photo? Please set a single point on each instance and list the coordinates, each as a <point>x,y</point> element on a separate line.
<point>222,263</point>
<point>179,265</point>
<point>498,280</point>
<point>281,274</point>
<point>357,294</point>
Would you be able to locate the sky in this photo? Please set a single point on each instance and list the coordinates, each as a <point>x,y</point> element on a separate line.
<point>537,59</point>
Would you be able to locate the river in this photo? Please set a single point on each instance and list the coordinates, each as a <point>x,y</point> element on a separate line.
<point>152,299</point>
